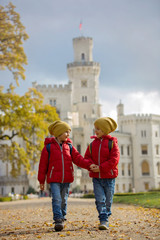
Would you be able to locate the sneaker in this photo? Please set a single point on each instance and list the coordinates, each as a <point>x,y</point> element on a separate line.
<point>103,225</point>
<point>59,225</point>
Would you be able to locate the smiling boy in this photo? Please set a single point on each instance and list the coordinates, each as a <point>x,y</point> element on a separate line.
<point>103,169</point>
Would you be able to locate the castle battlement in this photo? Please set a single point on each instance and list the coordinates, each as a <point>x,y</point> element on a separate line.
<point>83,64</point>
<point>56,87</point>
<point>139,118</point>
<point>80,38</point>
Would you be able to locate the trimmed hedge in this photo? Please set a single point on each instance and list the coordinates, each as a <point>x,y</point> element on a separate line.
<point>5,199</point>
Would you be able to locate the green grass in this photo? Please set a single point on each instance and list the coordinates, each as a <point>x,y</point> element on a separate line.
<point>144,199</point>
<point>148,199</point>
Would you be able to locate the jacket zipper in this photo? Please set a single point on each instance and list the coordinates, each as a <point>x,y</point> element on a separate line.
<point>111,171</point>
<point>99,157</point>
<point>51,172</point>
<point>61,147</point>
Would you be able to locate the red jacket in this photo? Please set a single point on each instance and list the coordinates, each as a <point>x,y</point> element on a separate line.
<point>105,159</point>
<point>59,167</point>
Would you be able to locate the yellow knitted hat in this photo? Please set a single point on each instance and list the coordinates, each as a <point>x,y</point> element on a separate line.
<point>106,124</point>
<point>58,127</point>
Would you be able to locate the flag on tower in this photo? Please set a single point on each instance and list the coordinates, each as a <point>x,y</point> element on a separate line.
<point>80,25</point>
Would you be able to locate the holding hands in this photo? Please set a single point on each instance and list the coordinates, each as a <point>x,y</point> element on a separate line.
<point>41,187</point>
<point>94,168</point>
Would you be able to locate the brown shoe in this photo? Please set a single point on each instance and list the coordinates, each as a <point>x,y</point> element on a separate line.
<point>59,225</point>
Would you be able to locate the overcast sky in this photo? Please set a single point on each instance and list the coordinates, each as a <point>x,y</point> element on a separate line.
<point>126,37</point>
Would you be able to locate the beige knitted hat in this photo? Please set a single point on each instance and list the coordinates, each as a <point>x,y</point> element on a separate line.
<point>106,124</point>
<point>58,127</point>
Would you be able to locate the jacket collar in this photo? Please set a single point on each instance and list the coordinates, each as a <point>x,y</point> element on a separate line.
<point>53,140</point>
<point>103,137</point>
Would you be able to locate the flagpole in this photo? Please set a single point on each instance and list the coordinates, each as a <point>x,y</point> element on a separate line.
<point>80,27</point>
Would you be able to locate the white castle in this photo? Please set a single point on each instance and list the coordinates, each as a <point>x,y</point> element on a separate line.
<point>78,104</point>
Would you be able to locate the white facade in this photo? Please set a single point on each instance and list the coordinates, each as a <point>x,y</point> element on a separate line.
<point>78,104</point>
<point>141,150</point>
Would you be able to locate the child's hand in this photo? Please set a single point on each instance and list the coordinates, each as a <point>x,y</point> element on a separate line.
<point>42,187</point>
<point>94,168</point>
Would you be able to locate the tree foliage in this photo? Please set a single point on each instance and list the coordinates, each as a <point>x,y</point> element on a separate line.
<point>12,35</point>
<point>24,124</point>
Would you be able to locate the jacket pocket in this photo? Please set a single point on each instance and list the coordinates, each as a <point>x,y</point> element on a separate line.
<point>51,172</point>
<point>112,172</point>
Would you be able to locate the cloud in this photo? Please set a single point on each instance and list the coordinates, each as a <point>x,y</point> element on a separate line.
<point>134,102</point>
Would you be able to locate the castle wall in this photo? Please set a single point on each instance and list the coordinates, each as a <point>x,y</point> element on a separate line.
<point>59,96</point>
<point>145,134</point>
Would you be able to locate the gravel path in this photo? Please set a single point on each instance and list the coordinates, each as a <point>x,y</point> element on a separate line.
<point>32,219</point>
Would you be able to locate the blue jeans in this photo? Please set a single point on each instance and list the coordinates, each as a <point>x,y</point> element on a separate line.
<point>59,193</point>
<point>104,191</point>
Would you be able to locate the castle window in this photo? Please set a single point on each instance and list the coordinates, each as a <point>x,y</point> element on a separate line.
<point>144,149</point>
<point>129,169</point>
<point>146,186</point>
<point>128,150</point>
<point>122,169</point>
<point>156,134</point>
<point>2,191</point>
<point>12,190</point>
<point>7,171</point>
<point>145,168</point>
<point>117,187</point>
<point>122,150</point>
<point>124,187</point>
<point>79,148</point>
<point>143,133</point>
<point>83,57</point>
<point>84,116</point>
<point>52,102</point>
<point>84,83</point>
<point>157,149</point>
<point>158,168</point>
<point>84,98</point>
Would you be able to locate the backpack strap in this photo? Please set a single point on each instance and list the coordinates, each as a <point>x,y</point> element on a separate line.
<point>110,145</point>
<point>48,146</point>
<point>90,148</point>
<point>70,146</point>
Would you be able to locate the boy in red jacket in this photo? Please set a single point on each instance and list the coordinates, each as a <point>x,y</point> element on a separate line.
<point>103,169</point>
<point>58,169</point>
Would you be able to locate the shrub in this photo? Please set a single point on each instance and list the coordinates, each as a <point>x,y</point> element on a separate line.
<point>31,190</point>
<point>5,199</point>
<point>25,197</point>
<point>89,195</point>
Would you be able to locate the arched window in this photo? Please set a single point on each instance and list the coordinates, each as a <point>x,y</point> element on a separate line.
<point>83,57</point>
<point>123,169</point>
<point>129,169</point>
<point>145,168</point>
<point>79,148</point>
<point>158,168</point>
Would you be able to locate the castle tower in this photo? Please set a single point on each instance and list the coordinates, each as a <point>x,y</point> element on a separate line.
<point>83,74</point>
<point>120,113</point>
